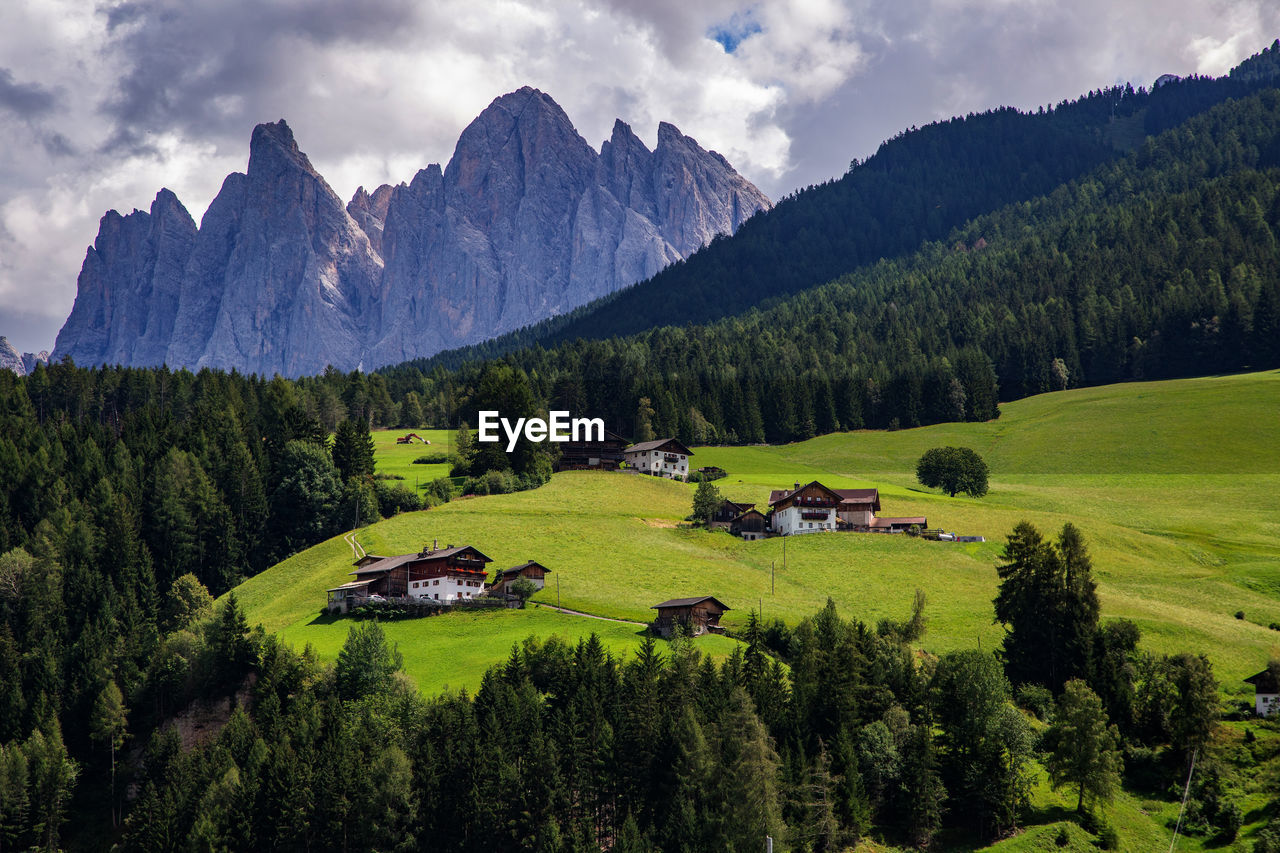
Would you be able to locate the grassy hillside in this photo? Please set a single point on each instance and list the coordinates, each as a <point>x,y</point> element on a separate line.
<point>1175,484</point>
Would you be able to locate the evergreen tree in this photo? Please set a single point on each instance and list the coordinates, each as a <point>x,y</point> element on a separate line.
<point>1049,606</point>
<point>1084,750</point>
<point>923,793</point>
<point>232,647</point>
<point>353,450</point>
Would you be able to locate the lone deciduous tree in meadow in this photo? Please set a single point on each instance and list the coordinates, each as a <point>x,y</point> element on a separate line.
<point>705,502</point>
<point>954,470</point>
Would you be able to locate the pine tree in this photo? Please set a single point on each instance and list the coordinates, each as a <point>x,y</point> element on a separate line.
<point>353,450</point>
<point>923,794</point>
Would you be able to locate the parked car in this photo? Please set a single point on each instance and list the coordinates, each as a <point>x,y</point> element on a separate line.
<point>377,599</point>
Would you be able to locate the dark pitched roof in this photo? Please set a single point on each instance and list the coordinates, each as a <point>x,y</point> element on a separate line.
<point>517,569</point>
<point>657,444</point>
<point>745,513</point>
<point>1264,682</point>
<point>383,564</point>
<point>858,496</point>
<point>779,495</point>
<point>689,602</point>
<point>386,564</point>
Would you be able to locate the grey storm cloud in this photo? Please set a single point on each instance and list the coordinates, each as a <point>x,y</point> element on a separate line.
<point>186,60</point>
<point>28,100</point>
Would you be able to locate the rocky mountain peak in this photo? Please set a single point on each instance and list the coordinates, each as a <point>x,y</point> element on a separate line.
<point>10,358</point>
<point>273,150</point>
<point>525,221</point>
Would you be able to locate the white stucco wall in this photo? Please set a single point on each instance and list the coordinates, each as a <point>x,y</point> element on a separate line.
<point>788,521</point>
<point>1267,704</point>
<point>446,588</point>
<point>653,462</point>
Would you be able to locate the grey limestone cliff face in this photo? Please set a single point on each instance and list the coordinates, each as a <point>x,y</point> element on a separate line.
<point>20,363</point>
<point>526,221</point>
<point>127,293</point>
<point>10,358</point>
<point>281,278</point>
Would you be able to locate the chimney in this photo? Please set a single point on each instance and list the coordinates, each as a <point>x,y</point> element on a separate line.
<point>796,487</point>
<point>435,544</point>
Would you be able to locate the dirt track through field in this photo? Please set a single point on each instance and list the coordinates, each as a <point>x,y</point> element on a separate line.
<point>588,615</point>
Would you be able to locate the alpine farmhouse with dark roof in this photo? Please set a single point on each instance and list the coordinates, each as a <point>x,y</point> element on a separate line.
<point>662,457</point>
<point>445,575</point>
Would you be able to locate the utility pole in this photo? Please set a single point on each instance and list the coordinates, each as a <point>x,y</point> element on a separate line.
<point>557,592</point>
<point>772,564</point>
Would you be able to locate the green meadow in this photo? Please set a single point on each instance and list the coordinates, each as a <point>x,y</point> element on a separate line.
<point>1176,486</point>
<point>397,459</point>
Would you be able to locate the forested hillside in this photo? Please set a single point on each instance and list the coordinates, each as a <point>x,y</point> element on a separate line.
<point>1161,264</point>
<point>918,187</point>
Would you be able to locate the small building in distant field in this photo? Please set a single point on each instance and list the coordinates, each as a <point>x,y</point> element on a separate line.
<point>750,525</point>
<point>662,457</point>
<point>727,512</point>
<point>534,571</point>
<point>1266,692</point>
<point>603,455</point>
<point>803,509</point>
<point>697,615</point>
<point>445,575</point>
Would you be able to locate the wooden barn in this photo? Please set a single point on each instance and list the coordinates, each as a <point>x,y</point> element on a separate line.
<point>534,571</point>
<point>604,455</point>
<point>750,525</point>
<point>698,615</point>
<point>727,512</point>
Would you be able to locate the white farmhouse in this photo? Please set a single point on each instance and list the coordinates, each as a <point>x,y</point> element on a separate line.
<point>804,509</point>
<point>662,457</point>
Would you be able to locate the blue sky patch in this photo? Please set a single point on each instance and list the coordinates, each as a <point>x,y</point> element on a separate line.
<point>733,32</point>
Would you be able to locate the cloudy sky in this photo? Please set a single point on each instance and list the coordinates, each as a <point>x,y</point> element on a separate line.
<point>102,105</point>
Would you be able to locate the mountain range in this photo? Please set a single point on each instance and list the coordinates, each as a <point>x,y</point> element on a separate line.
<point>20,363</point>
<point>526,221</point>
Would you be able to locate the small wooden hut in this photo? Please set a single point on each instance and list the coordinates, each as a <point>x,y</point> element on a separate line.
<point>698,615</point>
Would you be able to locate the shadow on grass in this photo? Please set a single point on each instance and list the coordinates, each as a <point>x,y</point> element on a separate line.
<point>325,619</point>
